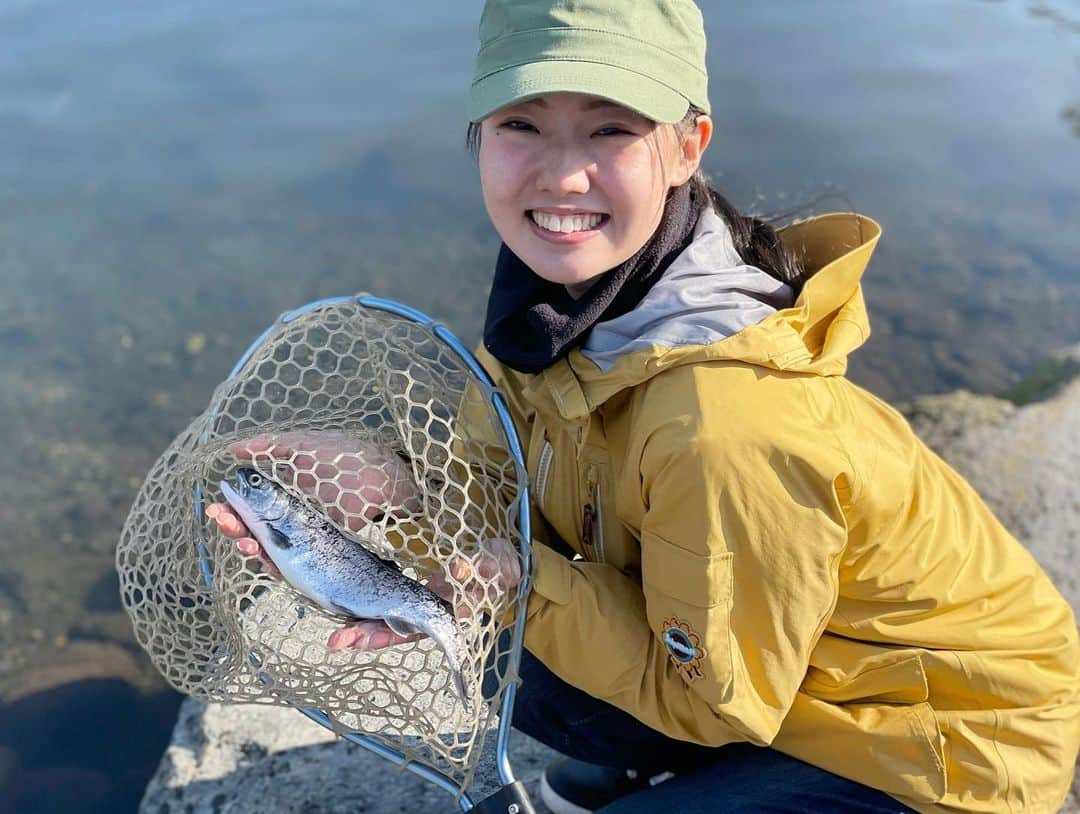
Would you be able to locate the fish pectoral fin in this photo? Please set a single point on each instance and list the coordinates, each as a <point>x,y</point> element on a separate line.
<point>345,611</point>
<point>278,537</point>
<point>400,626</point>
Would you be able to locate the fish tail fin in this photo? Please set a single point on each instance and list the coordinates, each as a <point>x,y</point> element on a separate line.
<point>449,638</point>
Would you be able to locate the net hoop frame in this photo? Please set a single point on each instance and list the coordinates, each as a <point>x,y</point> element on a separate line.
<point>506,774</point>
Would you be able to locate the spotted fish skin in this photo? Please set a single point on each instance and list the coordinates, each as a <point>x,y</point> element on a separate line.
<point>337,573</point>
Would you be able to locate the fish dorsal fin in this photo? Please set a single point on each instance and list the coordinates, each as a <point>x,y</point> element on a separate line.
<point>278,537</point>
<point>400,626</point>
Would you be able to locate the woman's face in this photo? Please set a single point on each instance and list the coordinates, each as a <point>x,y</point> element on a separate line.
<point>593,173</point>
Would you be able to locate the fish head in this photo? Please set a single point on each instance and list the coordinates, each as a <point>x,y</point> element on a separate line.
<point>255,497</point>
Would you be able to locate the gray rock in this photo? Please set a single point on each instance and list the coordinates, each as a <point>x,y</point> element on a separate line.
<point>1024,461</point>
<point>246,758</point>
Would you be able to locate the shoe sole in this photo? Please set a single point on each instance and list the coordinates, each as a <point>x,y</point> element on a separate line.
<point>557,804</point>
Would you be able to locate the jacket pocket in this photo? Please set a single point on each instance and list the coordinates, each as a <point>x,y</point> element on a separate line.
<point>688,603</point>
<point>884,703</point>
<point>884,679</point>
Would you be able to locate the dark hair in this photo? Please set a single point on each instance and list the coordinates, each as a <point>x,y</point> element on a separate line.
<point>754,237</point>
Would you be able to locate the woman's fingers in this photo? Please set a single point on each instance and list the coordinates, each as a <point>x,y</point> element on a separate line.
<point>509,563</point>
<point>438,585</point>
<point>356,480</point>
<point>367,635</point>
<point>229,523</point>
<point>496,561</point>
<point>233,526</point>
<point>249,546</point>
<point>480,578</point>
<point>247,449</point>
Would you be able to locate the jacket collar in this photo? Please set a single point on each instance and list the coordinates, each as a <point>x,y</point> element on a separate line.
<point>813,335</point>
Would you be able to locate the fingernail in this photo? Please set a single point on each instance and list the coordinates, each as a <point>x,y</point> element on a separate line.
<point>247,546</point>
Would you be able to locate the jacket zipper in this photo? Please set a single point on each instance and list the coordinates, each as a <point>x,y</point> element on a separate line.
<point>543,469</point>
<point>599,541</point>
<point>592,529</point>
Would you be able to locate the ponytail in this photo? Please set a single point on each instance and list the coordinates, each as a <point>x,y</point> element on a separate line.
<point>755,239</point>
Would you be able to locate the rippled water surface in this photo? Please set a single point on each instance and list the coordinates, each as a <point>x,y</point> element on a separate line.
<point>173,176</point>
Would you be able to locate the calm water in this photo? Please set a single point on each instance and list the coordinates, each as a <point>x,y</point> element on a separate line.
<point>173,176</point>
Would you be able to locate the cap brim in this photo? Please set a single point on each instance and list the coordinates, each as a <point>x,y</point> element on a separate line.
<point>640,93</point>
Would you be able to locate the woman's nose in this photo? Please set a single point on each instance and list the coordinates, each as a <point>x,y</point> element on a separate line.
<point>566,172</point>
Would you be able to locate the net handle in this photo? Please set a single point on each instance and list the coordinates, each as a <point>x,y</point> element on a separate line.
<point>506,772</point>
<point>498,401</point>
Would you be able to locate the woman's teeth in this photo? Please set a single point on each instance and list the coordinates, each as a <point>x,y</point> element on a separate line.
<point>571,223</point>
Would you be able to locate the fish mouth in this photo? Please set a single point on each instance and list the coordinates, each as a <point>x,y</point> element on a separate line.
<point>235,497</point>
<point>230,493</point>
<point>237,492</point>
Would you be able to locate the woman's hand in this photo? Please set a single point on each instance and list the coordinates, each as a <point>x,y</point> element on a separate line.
<point>233,526</point>
<point>355,480</point>
<point>364,481</point>
<point>496,563</point>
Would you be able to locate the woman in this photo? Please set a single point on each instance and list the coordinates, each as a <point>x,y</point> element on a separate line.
<point>764,555</point>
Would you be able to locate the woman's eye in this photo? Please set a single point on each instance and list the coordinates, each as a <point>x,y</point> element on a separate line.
<point>613,131</point>
<point>513,122</point>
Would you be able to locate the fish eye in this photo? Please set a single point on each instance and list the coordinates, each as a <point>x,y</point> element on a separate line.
<point>255,479</point>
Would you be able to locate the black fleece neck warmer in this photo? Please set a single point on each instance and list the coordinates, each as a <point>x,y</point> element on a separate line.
<point>532,322</point>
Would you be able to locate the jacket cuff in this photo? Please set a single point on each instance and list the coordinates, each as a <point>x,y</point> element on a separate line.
<point>550,578</point>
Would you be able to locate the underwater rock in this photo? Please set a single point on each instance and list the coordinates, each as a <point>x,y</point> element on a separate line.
<point>100,724</point>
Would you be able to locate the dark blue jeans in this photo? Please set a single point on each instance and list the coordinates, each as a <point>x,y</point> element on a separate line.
<point>731,778</point>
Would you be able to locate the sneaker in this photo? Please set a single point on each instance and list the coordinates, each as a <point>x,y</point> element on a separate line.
<point>570,786</point>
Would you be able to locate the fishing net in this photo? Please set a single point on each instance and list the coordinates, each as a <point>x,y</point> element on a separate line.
<point>388,433</point>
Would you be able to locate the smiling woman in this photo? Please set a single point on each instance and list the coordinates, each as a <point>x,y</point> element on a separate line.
<point>741,548</point>
<point>637,152</point>
<point>290,152</point>
<point>549,163</point>
<point>586,191</point>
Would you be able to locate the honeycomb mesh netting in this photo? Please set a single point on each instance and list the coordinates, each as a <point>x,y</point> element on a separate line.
<point>372,420</point>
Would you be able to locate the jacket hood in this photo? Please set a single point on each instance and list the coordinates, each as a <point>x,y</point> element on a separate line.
<point>707,294</point>
<point>711,306</point>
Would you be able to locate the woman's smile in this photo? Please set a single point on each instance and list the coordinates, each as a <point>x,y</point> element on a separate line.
<point>566,228</point>
<point>551,164</point>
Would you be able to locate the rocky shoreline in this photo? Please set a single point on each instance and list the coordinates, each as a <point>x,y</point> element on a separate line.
<point>1025,461</point>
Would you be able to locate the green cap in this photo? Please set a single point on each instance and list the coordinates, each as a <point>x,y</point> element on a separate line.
<point>648,55</point>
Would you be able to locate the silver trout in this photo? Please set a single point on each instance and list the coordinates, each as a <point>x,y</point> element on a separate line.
<point>339,574</point>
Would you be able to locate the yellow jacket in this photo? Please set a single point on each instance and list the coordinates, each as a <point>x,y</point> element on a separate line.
<point>769,554</point>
